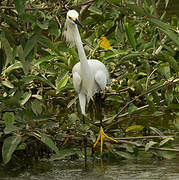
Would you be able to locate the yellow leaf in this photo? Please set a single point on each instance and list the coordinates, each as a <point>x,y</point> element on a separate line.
<point>103,42</point>
<point>135,128</point>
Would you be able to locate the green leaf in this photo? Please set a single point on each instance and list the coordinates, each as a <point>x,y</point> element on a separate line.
<point>166,3</point>
<point>132,108</point>
<point>25,64</point>
<point>10,129</point>
<point>6,47</point>
<point>30,78</point>
<point>53,28</point>
<point>9,146</point>
<point>164,69</point>
<point>10,21</point>
<point>20,6</point>
<point>16,65</point>
<point>9,118</point>
<point>30,44</point>
<point>7,84</point>
<point>62,154</point>
<point>49,142</point>
<point>95,10</point>
<point>166,29</point>
<point>115,1</point>
<point>62,83</point>
<point>36,107</point>
<point>130,35</point>
<point>140,11</point>
<point>3,60</point>
<point>125,155</point>
<point>42,26</point>
<point>165,140</point>
<point>173,63</point>
<point>149,145</point>
<point>115,98</point>
<point>169,95</point>
<point>25,97</point>
<point>166,154</point>
<point>28,18</point>
<point>135,128</point>
<point>44,59</point>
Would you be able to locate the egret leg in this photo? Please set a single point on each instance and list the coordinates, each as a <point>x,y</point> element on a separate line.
<point>101,134</point>
<point>85,143</point>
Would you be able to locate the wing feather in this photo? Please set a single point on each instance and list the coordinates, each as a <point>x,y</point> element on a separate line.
<point>77,82</point>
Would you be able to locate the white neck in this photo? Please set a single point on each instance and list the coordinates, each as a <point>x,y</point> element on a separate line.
<point>75,36</point>
<point>85,71</point>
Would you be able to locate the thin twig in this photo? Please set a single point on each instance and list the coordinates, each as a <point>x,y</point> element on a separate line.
<point>148,79</point>
<point>143,137</point>
<point>165,149</point>
<point>27,9</point>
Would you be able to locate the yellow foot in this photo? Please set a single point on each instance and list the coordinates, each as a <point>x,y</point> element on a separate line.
<point>101,136</point>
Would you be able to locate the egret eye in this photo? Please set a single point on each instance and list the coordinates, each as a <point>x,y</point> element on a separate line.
<point>72,19</point>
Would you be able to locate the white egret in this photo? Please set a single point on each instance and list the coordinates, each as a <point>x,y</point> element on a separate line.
<point>89,76</point>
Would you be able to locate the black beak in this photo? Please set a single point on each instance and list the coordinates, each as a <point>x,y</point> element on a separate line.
<point>78,23</point>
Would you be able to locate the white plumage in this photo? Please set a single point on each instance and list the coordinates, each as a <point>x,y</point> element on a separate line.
<point>89,76</point>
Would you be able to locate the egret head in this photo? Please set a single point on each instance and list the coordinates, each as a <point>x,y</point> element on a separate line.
<point>71,22</point>
<point>72,16</point>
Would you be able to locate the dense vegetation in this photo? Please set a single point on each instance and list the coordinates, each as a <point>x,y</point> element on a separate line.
<point>39,109</point>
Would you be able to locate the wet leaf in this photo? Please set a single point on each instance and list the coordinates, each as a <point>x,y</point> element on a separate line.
<point>149,145</point>
<point>49,142</point>
<point>9,118</point>
<point>125,155</point>
<point>9,146</point>
<point>166,154</point>
<point>129,148</point>
<point>62,154</point>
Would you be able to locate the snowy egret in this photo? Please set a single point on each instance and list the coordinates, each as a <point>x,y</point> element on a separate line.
<point>89,76</point>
